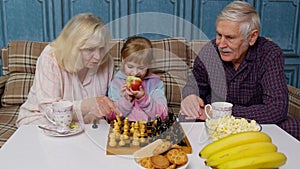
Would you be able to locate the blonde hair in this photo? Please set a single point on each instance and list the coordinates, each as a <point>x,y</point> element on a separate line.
<point>239,11</point>
<point>83,31</point>
<point>137,49</point>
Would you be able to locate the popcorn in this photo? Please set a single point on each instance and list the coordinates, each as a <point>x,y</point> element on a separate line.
<point>224,126</point>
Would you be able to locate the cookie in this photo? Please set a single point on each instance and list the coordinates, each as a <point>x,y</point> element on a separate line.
<point>159,161</point>
<point>165,146</point>
<point>172,166</point>
<point>177,156</point>
<point>146,163</point>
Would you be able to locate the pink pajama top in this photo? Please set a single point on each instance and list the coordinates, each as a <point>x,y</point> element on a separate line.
<point>52,83</point>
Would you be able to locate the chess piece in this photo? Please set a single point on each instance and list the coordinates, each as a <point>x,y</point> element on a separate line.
<point>136,141</point>
<point>116,126</point>
<point>136,127</point>
<point>116,130</point>
<point>122,142</point>
<point>132,128</point>
<point>142,125</point>
<point>112,140</point>
<point>158,120</point>
<point>142,134</point>
<point>119,120</point>
<point>136,134</point>
<point>126,133</point>
<point>94,126</point>
<point>126,121</point>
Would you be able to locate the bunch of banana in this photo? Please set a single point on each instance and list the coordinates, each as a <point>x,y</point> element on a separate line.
<point>252,149</point>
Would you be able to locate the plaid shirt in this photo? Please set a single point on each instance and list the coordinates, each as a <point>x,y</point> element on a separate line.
<point>257,88</point>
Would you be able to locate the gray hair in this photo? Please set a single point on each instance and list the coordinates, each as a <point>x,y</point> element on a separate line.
<point>239,11</point>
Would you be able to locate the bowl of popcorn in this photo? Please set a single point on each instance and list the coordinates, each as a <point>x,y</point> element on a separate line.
<point>161,154</point>
<point>224,126</point>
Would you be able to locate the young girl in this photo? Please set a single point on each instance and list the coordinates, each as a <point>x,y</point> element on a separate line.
<point>149,100</point>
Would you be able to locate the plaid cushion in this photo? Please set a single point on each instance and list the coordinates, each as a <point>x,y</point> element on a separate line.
<point>193,50</point>
<point>115,47</point>
<point>7,122</point>
<point>20,66</point>
<point>17,88</point>
<point>170,54</point>
<point>294,102</point>
<point>3,80</point>
<point>4,56</point>
<point>172,89</point>
<point>23,56</point>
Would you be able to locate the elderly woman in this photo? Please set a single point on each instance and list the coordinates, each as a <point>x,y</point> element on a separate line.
<point>73,67</point>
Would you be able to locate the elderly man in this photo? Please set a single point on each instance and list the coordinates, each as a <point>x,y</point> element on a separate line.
<point>242,68</point>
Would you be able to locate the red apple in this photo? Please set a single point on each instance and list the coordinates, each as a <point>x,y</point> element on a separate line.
<point>133,82</point>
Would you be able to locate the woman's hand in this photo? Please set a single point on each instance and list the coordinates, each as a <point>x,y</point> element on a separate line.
<point>192,106</point>
<point>95,108</point>
<point>106,106</point>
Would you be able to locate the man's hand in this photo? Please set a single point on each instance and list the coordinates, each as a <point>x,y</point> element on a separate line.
<point>192,106</point>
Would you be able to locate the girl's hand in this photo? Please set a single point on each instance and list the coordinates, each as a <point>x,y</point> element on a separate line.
<point>138,93</point>
<point>126,92</point>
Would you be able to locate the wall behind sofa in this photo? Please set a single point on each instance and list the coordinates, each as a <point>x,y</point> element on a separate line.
<point>42,20</point>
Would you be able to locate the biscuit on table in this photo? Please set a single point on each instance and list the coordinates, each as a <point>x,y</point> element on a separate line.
<point>177,156</point>
<point>146,163</point>
<point>159,161</point>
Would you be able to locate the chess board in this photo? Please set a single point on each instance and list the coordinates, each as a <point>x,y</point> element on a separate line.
<point>172,132</point>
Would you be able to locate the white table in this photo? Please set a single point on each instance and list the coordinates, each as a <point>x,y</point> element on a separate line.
<point>30,148</point>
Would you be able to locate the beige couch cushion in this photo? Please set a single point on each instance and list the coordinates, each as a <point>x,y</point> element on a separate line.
<point>17,88</point>
<point>20,66</point>
<point>4,56</point>
<point>193,50</point>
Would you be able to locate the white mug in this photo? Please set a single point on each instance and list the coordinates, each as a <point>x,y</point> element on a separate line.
<point>218,109</point>
<point>61,113</point>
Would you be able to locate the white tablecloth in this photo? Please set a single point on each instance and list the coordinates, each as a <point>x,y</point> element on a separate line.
<point>30,148</point>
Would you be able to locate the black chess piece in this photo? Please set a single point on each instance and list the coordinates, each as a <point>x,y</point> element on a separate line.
<point>158,120</point>
<point>94,126</point>
<point>171,118</point>
<point>153,132</point>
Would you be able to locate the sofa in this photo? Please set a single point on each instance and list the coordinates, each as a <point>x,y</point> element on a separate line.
<point>173,61</point>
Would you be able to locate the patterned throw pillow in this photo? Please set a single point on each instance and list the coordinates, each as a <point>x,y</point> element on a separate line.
<point>17,89</point>
<point>193,50</point>
<point>21,62</point>
<point>170,58</point>
<point>23,56</point>
<point>114,50</point>
<point>4,56</point>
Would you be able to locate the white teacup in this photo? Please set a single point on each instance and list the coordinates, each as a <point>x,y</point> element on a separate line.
<point>218,109</point>
<point>60,114</point>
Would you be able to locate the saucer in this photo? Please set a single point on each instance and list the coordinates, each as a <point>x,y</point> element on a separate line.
<point>75,129</point>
